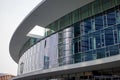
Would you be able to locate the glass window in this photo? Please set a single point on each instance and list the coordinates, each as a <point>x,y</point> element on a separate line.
<point>111,18</point>
<point>109,40</point>
<point>93,24</point>
<point>94,55</point>
<point>79,45</point>
<point>114,50</point>
<point>77,57</point>
<point>100,53</point>
<point>82,28</point>
<point>21,67</point>
<point>45,44</point>
<point>102,38</point>
<point>97,39</point>
<point>76,29</point>
<point>83,57</point>
<point>90,43</point>
<point>76,47</point>
<point>88,56</point>
<point>85,44</point>
<point>87,26</point>
<point>118,28</point>
<point>98,22</point>
<point>46,62</point>
<point>105,20</point>
<point>115,35</point>
<point>118,16</point>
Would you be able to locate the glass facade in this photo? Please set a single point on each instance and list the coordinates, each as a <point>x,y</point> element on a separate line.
<point>85,38</point>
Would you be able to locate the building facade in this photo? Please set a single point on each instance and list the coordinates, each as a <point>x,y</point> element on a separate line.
<point>81,42</point>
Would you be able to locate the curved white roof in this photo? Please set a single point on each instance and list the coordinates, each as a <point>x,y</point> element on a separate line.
<point>45,13</point>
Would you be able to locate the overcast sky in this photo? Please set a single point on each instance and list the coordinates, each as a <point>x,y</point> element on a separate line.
<point>12,12</point>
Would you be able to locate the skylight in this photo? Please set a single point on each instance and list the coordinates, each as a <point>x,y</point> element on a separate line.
<point>37,32</point>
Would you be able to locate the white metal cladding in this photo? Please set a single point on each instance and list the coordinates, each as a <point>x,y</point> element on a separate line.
<point>33,58</point>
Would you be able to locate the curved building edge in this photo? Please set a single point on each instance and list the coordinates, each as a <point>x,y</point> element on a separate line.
<point>41,16</point>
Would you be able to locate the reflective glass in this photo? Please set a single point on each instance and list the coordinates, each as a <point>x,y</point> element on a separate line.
<point>102,38</point>
<point>109,40</point>
<point>98,22</point>
<point>111,18</point>
<point>90,43</point>
<point>87,26</point>
<point>85,43</point>
<point>77,29</point>
<point>105,20</point>
<point>82,28</point>
<point>100,53</point>
<point>118,28</point>
<point>114,50</point>
<point>118,16</point>
<point>88,56</point>
<point>115,35</point>
<point>96,40</point>
<point>77,57</point>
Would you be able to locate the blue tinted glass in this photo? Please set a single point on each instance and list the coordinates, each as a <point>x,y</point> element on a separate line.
<point>90,43</point>
<point>98,22</point>
<point>114,50</point>
<point>94,55</point>
<point>100,53</point>
<point>79,45</point>
<point>87,26</point>
<point>97,39</point>
<point>109,40</point>
<point>102,39</point>
<point>82,28</point>
<point>93,24</point>
<point>85,43</point>
<point>105,20</point>
<point>115,36</point>
<point>77,57</point>
<point>76,29</point>
<point>118,28</point>
<point>76,47</point>
<point>117,16</point>
<point>111,18</point>
<point>88,56</point>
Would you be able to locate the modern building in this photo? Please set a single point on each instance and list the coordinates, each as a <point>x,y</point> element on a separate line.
<point>81,41</point>
<point>6,76</point>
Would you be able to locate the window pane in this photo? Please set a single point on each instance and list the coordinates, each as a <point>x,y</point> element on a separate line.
<point>109,36</point>
<point>88,56</point>
<point>111,18</point>
<point>76,29</point>
<point>87,26</point>
<point>118,28</point>
<point>98,22</point>
<point>100,53</point>
<point>77,57</point>
<point>97,40</point>
<point>114,50</point>
<point>85,43</point>
<point>102,38</point>
<point>118,16</point>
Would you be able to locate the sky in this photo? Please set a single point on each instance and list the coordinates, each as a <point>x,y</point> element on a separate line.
<point>12,12</point>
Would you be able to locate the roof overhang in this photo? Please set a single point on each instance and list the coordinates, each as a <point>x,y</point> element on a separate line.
<point>45,13</point>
